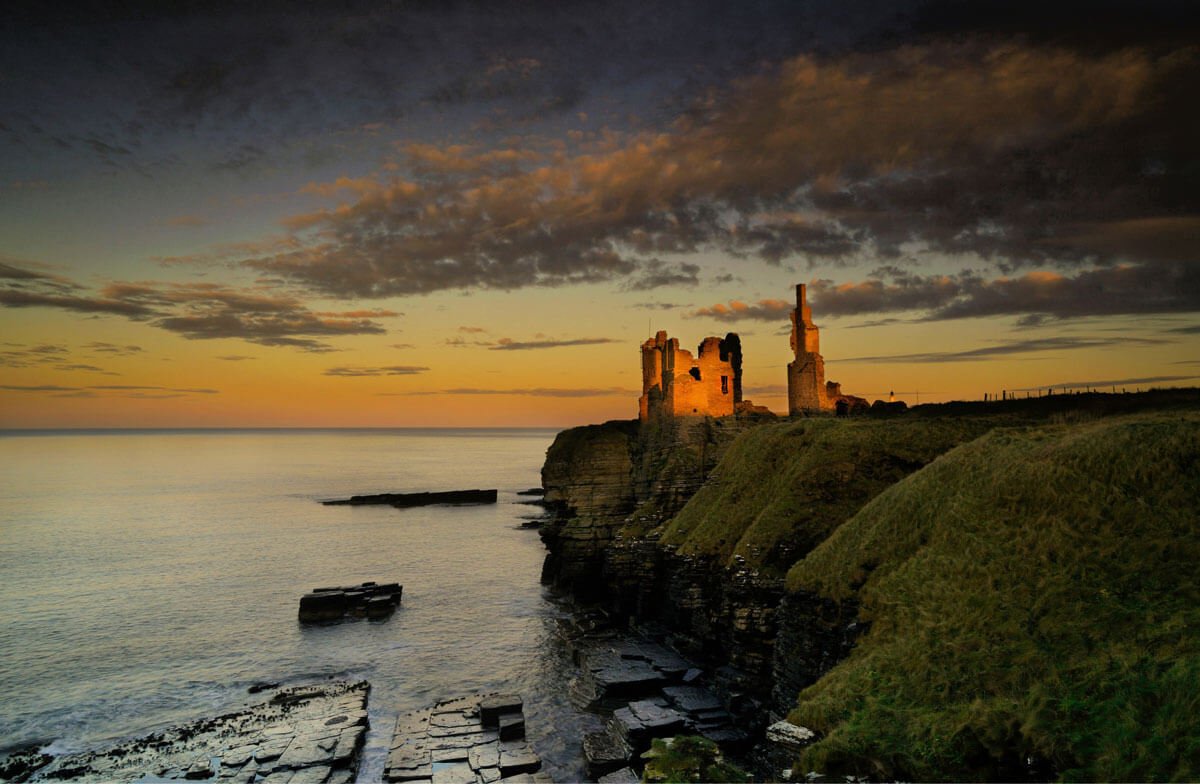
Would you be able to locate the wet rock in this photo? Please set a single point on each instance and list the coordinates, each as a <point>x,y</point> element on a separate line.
<point>622,776</point>
<point>261,686</point>
<point>22,763</point>
<point>491,707</point>
<point>518,757</point>
<point>370,600</point>
<point>317,774</point>
<point>790,735</point>
<point>512,726</point>
<point>692,699</point>
<point>283,739</point>
<point>642,721</point>
<point>200,769</point>
<point>604,752</point>
<point>460,773</point>
<point>465,739</point>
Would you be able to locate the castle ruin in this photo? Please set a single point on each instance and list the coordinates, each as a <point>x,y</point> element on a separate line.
<point>676,384</point>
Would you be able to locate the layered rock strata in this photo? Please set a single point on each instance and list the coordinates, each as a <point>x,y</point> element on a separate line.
<point>608,487</point>
<point>302,735</point>
<point>651,691</point>
<point>468,740</point>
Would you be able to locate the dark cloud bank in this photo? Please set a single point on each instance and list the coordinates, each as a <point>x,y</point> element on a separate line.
<point>1013,136</point>
<point>192,310</point>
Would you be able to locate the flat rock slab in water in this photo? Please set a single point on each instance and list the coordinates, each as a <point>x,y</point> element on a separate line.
<point>406,500</point>
<point>369,600</point>
<point>604,753</point>
<point>460,742</point>
<point>302,735</point>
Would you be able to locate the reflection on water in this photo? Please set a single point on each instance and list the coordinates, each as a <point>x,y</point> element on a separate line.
<point>150,578</point>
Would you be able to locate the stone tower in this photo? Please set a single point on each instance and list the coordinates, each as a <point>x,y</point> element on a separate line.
<point>806,374</point>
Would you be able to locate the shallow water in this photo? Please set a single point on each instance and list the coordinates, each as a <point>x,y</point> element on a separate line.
<point>148,578</point>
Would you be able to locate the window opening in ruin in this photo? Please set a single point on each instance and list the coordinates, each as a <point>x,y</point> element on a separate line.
<point>724,385</point>
<point>695,373</point>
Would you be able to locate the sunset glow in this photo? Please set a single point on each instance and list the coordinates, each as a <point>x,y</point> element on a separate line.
<point>474,217</point>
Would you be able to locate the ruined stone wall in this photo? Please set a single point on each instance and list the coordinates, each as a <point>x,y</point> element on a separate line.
<point>675,384</point>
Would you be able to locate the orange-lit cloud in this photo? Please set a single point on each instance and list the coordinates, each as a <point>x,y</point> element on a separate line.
<point>193,310</point>
<point>390,370</point>
<point>526,392</point>
<point>763,310</point>
<point>857,155</point>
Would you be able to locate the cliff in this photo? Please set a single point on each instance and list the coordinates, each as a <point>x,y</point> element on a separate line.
<point>738,541</point>
<point>691,526</point>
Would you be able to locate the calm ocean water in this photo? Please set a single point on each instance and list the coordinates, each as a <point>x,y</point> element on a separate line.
<point>150,577</point>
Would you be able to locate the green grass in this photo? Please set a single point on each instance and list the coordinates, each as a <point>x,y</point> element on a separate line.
<point>689,758</point>
<point>781,489</point>
<point>1033,594</point>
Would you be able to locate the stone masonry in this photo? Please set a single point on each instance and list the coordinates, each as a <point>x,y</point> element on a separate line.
<point>806,374</point>
<point>674,383</point>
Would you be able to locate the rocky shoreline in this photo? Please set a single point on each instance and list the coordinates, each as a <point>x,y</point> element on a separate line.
<point>301,735</point>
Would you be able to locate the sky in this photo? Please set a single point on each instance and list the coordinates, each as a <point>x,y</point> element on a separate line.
<point>472,214</point>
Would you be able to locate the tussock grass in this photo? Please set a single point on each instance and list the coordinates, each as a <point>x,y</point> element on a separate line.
<point>1035,605</point>
<point>781,489</point>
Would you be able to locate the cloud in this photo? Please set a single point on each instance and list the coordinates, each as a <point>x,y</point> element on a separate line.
<point>15,298</point>
<point>768,389</point>
<point>41,388</point>
<point>21,355</point>
<point>188,221</point>
<point>111,348</point>
<point>391,370</point>
<point>1192,329</point>
<point>402,345</point>
<point>1153,287</point>
<point>508,344</point>
<point>236,357</point>
<point>121,390</point>
<point>1012,153</point>
<point>658,305</point>
<point>657,274</point>
<point>1120,382</point>
<point>1036,345</point>
<point>359,314</point>
<point>763,310</point>
<point>197,311</point>
<point>472,330</point>
<point>530,392</point>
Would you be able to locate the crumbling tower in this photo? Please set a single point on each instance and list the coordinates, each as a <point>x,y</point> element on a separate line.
<point>806,374</point>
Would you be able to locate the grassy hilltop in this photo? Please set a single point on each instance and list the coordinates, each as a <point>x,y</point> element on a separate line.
<point>1034,594</point>
<point>1029,574</point>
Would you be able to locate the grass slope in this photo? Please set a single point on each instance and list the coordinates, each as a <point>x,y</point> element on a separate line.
<point>781,489</point>
<point>1035,606</point>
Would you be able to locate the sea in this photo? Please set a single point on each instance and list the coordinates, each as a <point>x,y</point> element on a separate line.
<point>150,577</point>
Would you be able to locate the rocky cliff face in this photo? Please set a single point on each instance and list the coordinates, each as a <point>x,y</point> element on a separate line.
<point>588,478</point>
<point>610,486</point>
<point>708,575</point>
